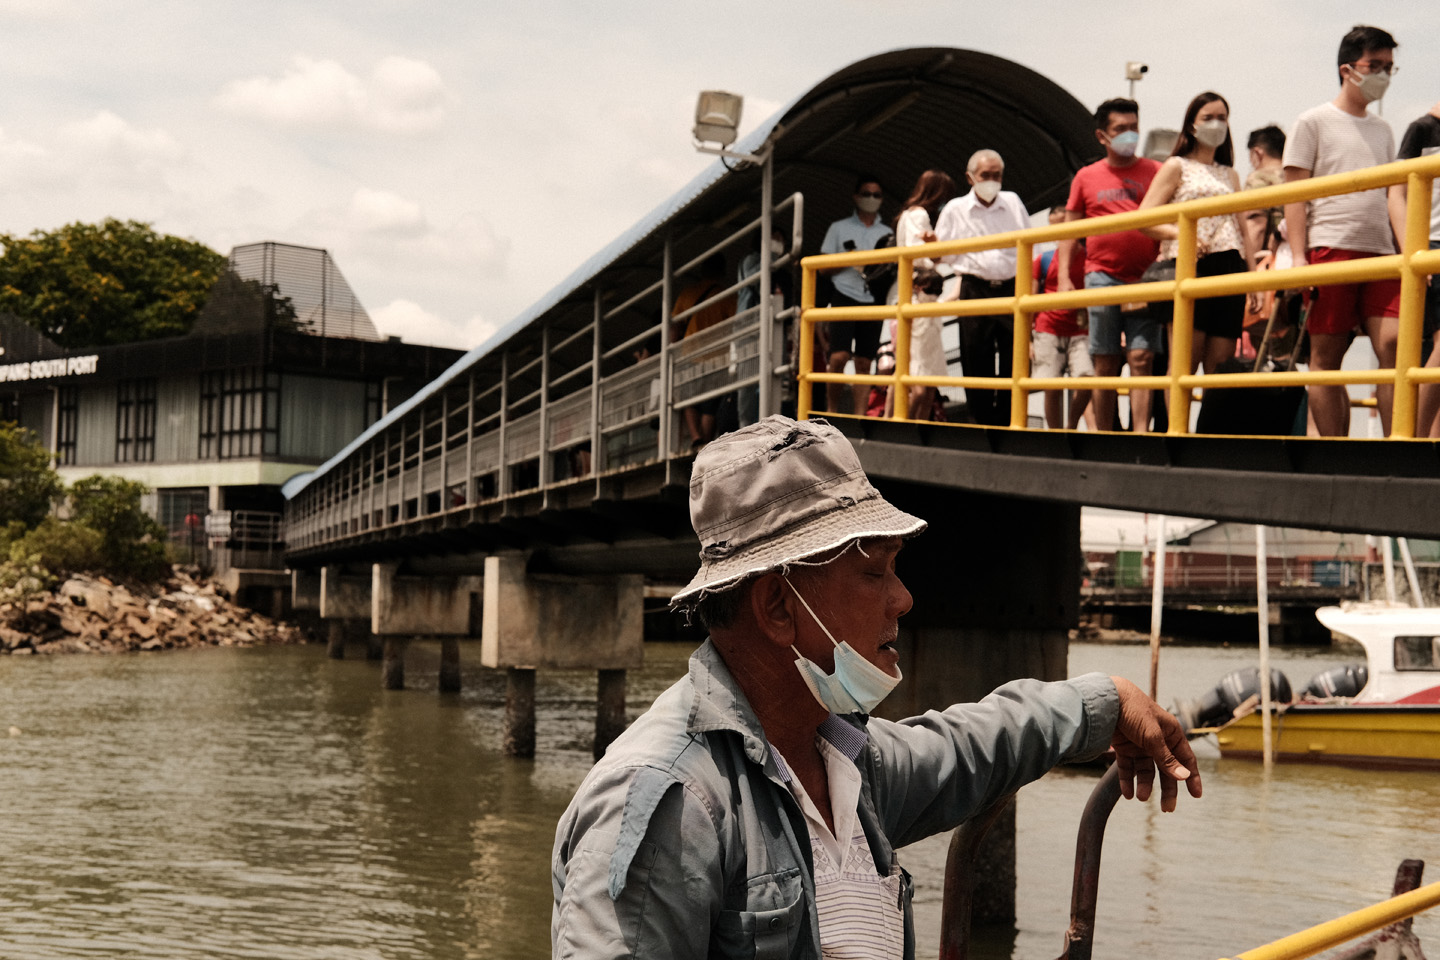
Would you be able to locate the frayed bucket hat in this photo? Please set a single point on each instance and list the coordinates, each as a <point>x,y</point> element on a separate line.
<point>777,493</point>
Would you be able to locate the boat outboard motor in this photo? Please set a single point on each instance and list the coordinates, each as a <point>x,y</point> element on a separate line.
<point>1346,680</point>
<point>1218,706</point>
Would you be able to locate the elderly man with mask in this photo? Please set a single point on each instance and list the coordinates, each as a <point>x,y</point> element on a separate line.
<point>986,343</point>
<point>755,809</point>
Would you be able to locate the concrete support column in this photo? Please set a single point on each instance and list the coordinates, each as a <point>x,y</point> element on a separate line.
<point>532,621</point>
<point>392,672</point>
<point>609,709</point>
<point>519,737</point>
<point>374,646</point>
<point>304,590</point>
<point>996,583</point>
<point>335,639</point>
<point>450,665</point>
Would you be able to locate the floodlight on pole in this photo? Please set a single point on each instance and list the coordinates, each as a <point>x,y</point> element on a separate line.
<point>717,123</point>
<point>1135,70</point>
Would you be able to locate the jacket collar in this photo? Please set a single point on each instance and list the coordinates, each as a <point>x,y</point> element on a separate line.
<point>720,704</point>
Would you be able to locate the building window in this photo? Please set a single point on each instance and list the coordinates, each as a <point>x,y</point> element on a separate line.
<point>10,407</point>
<point>135,421</point>
<point>239,414</point>
<point>374,395</point>
<point>67,410</point>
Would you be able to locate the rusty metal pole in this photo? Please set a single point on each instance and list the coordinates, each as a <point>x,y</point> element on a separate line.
<point>449,665</point>
<point>1080,937</point>
<point>609,709</point>
<point>519,737</point>
<point>959,897</point>
<point>392,672</point>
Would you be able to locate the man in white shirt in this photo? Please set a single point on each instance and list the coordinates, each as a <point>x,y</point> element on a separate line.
<point>986,343</point>
<point>1338,137</point>
<point>857,339</point>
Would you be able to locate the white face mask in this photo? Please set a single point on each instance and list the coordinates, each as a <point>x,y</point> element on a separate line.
<point>1372,85</point>
<point>867,204</point>
<point>1212,133</point>
<point>1125,144</point>
<point>777,248</point>
<point>987,190</point>
<point>856,686</point>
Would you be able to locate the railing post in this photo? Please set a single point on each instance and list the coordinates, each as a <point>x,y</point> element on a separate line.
<point>597,449</point>
<point>1182,341</point>
<point>502,487</point>
<point>471,494</point>
<point>905,292</point>
<point>1020,339</point>
<point>765,367</point>
<point>546,466</point>
<point>667,401</point>
<point>1412,306</point>
<point>805,343</point>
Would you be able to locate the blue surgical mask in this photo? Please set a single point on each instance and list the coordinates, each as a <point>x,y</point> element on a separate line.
<point>1125,143</point>
<point>856,686</point>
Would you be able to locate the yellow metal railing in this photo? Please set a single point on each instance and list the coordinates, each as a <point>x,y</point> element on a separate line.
<point>1411,266</point>
<point>1328,935</point>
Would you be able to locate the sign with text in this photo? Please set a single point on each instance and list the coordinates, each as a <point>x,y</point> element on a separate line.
<point>46,369</point>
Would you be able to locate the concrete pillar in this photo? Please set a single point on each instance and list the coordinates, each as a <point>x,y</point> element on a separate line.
<point>609,709</point>
<point>335,639</point>
<point>374,646</point>
<point>534,621</point>
<point>392,673</point>
<point>343,596</point>
<point>450,665</point>
<point>417,606</point>
<point>996,583</point>
<point>304,590</point>
<point>519,736</point>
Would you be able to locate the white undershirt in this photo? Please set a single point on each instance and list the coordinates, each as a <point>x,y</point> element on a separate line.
<point>861,915</point>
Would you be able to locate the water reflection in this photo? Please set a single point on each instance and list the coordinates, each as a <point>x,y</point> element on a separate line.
<point>273,803</point>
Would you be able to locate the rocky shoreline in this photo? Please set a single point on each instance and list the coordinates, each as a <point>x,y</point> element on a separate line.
<point>90,614</point>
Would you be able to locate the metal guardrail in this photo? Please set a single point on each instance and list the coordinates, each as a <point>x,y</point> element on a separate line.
<point>1411,266</point>
<point>481,440</point>
<point>1331,934</point>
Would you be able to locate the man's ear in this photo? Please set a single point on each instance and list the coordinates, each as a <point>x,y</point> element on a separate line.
<point>772,606</point>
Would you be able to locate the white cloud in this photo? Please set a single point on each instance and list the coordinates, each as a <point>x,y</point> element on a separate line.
<point>108,135</point>
<point>381,212</point>
<point>415,324</point>
<point>400,96</point>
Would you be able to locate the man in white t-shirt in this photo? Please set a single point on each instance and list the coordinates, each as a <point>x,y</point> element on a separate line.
<point>1338,137</point>
<point>985,210</point>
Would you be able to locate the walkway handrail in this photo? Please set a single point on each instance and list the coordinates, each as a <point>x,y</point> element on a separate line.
<point>1331,934</point>
<point>1411,266</point>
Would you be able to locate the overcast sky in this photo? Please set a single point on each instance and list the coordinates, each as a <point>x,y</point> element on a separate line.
<point>459,159</point>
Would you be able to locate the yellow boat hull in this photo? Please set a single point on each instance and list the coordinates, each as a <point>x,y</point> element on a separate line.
<point>1372,736</point>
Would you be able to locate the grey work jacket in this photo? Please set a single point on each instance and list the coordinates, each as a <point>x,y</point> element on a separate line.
<point>684,842</point>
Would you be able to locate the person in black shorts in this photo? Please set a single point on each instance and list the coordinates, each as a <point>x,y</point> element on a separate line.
<point>858,339</point>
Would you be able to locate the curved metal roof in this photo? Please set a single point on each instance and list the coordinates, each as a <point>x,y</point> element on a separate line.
<point>892,115</point>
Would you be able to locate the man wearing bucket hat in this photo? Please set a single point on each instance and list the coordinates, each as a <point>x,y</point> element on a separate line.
<point>755,809</point>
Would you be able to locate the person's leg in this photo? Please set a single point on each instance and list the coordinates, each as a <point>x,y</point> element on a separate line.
<point>693,425</point>
<point>1216,350</point>
<point>1077,353</point>
<point>1426,422</point>
<point>1002,345</point>
<point>1329,405</point>
<point>1384,334</point>
<point>972,364</point>
<point>1105,352</point>
<point>836,392</point>
<point>842,337</point>
<point>1142,337</point>
<point>1049,362</point>
<point>861,394</point>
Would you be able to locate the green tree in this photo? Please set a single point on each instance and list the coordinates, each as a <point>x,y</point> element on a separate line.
<point>28,484</point>
<point>111,282</point>
<point>132,543</point>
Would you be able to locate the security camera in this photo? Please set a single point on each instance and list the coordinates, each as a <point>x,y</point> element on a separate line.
<point>1135,70</point>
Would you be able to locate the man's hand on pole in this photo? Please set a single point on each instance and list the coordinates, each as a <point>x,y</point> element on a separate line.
<point>1147,737</point>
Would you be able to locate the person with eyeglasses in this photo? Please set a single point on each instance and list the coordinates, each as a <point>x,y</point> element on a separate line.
<point>854,339</point>
<point>1337,137</point>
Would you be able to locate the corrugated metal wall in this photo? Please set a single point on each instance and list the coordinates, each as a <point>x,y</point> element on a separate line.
<point>318,416</point>
<point>177,419</point>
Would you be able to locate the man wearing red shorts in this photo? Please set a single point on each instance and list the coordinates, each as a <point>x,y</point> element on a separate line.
<point>1338,137</point>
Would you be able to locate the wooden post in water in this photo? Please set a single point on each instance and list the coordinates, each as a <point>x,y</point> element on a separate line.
<point>519,738</point>
<point>335,639</point>
<point>450,665</point>
<point>1262,596</point>
<point>392,672</point>
<point>609,709</point>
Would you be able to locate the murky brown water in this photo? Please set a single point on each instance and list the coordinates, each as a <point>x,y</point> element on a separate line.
<point>272,803</point>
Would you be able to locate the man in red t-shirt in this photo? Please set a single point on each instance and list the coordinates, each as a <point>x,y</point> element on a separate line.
<point>1115,185</point>
<point>1059,342</point>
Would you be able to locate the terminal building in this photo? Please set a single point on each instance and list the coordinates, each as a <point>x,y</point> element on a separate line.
<point>282,368</point>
